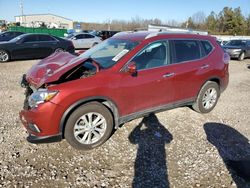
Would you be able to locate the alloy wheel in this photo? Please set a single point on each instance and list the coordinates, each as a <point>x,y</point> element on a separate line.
<point>209,98</point>
<point>90,128</point>
<point>4,56</point>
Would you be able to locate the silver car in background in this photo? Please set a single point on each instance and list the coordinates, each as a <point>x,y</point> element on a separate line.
<point>83,40</point>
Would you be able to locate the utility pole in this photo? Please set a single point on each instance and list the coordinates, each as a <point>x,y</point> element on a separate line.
<point>21,8</point>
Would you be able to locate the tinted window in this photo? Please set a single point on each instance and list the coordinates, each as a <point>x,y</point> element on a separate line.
<point>7,34</point>
<point>79,36</point>
<point>236,43</point>
<point>31,38</point>
<point>207,47</point>
<point>88,36</point>
<point>185,50</point>
<point>154,55</point>
<point>45,38</point>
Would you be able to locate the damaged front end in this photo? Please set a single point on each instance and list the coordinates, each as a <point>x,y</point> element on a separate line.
<point>56,69</point>
<point>39,111</point>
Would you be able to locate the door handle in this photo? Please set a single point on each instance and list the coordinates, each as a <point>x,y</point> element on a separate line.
<point>35,45</point>
<point>204,66</point>
<point>168,75</point>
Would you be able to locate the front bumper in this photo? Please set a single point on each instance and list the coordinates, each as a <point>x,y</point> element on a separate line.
<point>42,123</point>
<point>44,139</point>
<point>233,54</point>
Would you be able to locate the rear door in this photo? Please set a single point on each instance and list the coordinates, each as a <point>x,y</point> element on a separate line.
<point>189,67</point>
<point>47,45</point>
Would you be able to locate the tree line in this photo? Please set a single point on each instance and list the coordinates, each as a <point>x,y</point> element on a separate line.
<point>229,21</point>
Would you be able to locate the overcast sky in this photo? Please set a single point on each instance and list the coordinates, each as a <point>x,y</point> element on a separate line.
<point>100,10</point>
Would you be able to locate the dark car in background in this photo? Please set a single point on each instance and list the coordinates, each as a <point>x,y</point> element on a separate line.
<point>239,49</point>
<point>33,46</point>
<point>104,34</point>
<point>8,35</point>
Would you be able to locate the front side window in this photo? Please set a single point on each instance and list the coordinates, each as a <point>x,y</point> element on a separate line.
<point>185,50</point>
<point>31,38</point>
<point>81,36</point>
<point>110,51</point>
<point>154,55</point>
<point>87,36</point>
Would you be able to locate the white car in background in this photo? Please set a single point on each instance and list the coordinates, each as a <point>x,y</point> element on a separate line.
<point>83,40</point>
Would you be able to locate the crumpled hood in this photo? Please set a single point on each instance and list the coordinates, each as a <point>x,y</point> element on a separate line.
<point>52,68</point>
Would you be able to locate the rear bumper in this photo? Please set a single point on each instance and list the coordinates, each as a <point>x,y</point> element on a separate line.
<point>44,139</point>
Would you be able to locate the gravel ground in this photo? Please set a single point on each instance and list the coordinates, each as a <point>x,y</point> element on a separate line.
<point>176,148</point>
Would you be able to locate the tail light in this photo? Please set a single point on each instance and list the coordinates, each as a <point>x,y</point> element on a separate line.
<point>226,58</point>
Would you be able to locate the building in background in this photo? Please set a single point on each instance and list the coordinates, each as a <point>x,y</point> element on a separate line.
<point>2,22</point>
<point>44,20</point>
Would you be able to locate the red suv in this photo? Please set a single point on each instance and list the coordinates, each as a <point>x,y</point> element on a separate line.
<point>83,99</point>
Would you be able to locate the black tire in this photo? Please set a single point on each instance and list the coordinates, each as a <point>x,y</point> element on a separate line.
<point>94,44</point>
<point>92,107</point>
<point>241,56</point>
<point>198,105</point>
<point>59,50</point>
<point>4,56</point>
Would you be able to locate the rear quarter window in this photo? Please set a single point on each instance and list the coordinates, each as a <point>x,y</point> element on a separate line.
<point>207,46</point>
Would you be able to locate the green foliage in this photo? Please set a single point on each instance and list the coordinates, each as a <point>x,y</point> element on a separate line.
<point>228,21</point>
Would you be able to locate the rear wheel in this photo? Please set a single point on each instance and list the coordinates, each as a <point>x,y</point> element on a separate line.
<point>207,97</point>
<point>59,50</point>
<point>241,56</point>
<point>89,126</point>
<point>94,44</point>
<point>4,56</point>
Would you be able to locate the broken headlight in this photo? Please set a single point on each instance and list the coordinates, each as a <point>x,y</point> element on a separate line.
<point>41,96</point>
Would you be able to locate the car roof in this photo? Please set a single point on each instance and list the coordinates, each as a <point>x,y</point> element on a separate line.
<point>78,33</point>
<point>143,35</point>
<point>28,34</point>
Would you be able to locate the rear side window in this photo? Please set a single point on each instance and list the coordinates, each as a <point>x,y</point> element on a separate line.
<point>185,50</point>
<point>207,47</point>
<point>45,38</point>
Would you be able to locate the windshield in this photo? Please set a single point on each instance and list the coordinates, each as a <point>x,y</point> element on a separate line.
<point>69,36</point>
<point>110,51</point>
<point>236,43</point>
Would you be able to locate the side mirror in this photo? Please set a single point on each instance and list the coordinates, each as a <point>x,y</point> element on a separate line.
<point>131,69</point>
<point>74,38</point>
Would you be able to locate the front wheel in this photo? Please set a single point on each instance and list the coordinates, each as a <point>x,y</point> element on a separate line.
<point>58,50</point>
<point>89,126</point>
<point>207,97</point>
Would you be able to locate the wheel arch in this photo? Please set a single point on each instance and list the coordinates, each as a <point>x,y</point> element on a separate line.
<point>109,103</point>
<point>211,79</point>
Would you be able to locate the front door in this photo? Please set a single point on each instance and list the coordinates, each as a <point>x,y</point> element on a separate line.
<point>26,48</point>
<point>152,86</point>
